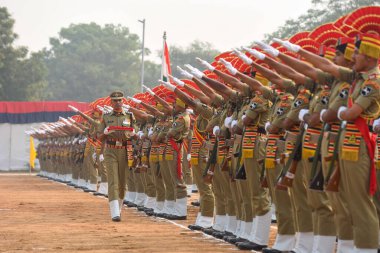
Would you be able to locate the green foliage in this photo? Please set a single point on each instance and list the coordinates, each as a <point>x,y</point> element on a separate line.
<point>87,61</point>
<point>18,72</point>
<point>323,11</point>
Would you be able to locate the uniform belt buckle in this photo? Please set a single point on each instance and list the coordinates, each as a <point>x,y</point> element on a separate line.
<point>118,143</point>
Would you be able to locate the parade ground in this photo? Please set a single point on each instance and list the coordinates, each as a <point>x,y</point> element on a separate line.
<point>39,215</point>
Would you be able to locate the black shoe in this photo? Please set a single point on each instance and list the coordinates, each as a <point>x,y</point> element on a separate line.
<point>228,237</point>
<point>269,250</point>
<point>175,217</point>
<point>209,231</point>
<point>116,219</point>
<point>140,208</point>
<point>150,213</point>
<point>237,240</point>
<point>250,246</point>
<point>88,190</point>
<point>126,202</point>
<point>195,203</point>
<point>98,194</point>
<point>194,191</point>
<point>221,234</point>
<point>195,227</point>
<point>148,210</point>
<point>273,221</point>
<point>161,215</point>
<point>130,204</point>
<point>70,184</point>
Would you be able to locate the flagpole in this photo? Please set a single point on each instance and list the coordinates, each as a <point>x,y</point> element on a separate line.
<point>163,56</point>
<point>142,54</point>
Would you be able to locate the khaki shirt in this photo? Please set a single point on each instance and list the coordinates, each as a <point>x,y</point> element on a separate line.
<point>116,119</point>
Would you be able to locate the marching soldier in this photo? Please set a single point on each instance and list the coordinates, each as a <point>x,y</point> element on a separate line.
<point>117,129</point>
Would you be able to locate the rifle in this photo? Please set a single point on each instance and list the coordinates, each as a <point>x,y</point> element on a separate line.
<point>316,177</point>
<point>208,173</point>
<point>240,173</point>
<point>333,175</point>
<point>88,118</point>
<point>288,171</point>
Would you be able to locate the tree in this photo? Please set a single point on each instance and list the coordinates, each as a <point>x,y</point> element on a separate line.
<point>88,61</point>
<point>18,73</point>
<point>323,11</point>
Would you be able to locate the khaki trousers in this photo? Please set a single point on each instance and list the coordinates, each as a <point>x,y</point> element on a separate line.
<point>117,172</point>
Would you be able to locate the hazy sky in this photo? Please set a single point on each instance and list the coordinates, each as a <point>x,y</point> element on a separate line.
<point>224,23</point>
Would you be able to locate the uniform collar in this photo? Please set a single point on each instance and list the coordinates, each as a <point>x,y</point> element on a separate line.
<point>371,74</point>
<point>119,113</point>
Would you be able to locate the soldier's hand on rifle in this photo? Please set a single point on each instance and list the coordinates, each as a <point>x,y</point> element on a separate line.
<point>340,111</point>
<point>167,85</point>
<point>177,81</point>
<point>227,122</point>
<point>94,156</point>
<point>302,114</point>
<point>150,132</point>
<point>216,130</point>
<point>255,53</point>
<point>242,56</point>
<point>323,111</point>
<point>229,66</point>
<point>140,134</point>
<point>205,64</point>
<point>290,46</point>
<point>188,157</point>
<point>185,73</point>
<point>101,157</point>
<point>266,127</point>
<point>196,72</point>
<point>149,90</point>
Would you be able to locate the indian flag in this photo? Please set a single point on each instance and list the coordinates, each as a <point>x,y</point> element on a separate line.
<point>165,68</point>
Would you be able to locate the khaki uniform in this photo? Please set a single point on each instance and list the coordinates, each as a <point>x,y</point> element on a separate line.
<point>115,154</point>
<point>355,169</point>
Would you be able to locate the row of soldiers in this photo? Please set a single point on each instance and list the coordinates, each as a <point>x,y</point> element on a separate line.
<point>306,143</point>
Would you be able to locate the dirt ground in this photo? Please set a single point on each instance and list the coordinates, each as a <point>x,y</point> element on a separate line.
<point>39,215</point>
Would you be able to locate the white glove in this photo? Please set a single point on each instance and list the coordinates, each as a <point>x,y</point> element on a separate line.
<point>73,108</point>
<point>255,53</point>
<point>323,111</point>
<point>234,123</point>
<point>229,66</point>
<point>167,85</point>
<point>261,45</point>
<point>140,134</point>
<point>227,122</point>
<point>196,72</point>
<point>340,110</point>
<point>188,157</point>
<point>290,46</point>
<point>185,73</point>
<point>190,111</point>
<point>94,156</point>
<point>243,117</point>
<point>177,81</point>
<point>126,107</point>
<point>242,56</point>
<point>137,101</point>
<point>271,51</point>
<point>107,131</point>
<point>216,130</point>
<point>101,157</point>
<point>150,132</point>
<point>267,125</point>
<point>302,114</point>
<point>205,64</point>
<point>149,90</point>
